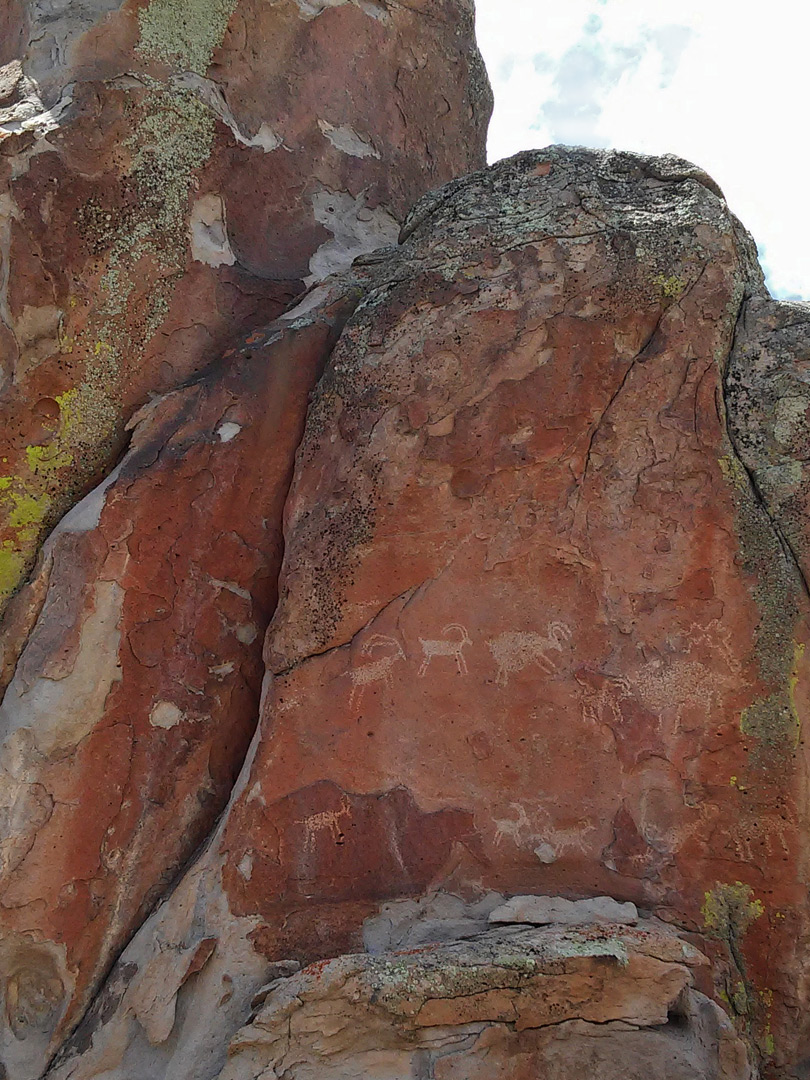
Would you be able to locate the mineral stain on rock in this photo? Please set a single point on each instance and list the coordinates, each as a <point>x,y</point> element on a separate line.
<point>403,658</point>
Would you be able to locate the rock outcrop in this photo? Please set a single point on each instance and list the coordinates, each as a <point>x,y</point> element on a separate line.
<point>590,1001</point>
<point>421,693</point>
<point>133,703</point>
<point>173,171</point>
<point>539,631</point>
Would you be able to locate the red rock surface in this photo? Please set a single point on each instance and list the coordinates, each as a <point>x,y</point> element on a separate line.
<point>170,172</point>
<point>537,630</point>
<point>133,702</point>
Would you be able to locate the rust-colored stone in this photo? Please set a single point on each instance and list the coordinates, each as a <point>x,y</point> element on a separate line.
<point>135,697</point>
<point>537,632</point>
<point>170,174</point>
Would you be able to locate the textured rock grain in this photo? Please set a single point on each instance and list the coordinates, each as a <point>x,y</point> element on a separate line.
<point>538,632</point>
<point>134,700</point>
<point>486,1009</point>
<point>170,173</point>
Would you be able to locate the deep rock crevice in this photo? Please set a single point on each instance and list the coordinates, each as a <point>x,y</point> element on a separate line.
<point>561,550</point>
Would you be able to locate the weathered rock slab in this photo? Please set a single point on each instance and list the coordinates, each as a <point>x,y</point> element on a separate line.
<point>536,631</point>
<point>538,634</point>
<point>171,174</point>
<point>135,696</point>
<point>478,1008</point>
<point>541,910</point>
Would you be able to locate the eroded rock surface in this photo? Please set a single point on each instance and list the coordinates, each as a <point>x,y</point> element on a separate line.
<point>171,172</point>
<point>132,705</point>
<point>543,910</point>
<point>554,1003</point>
<point>538,632</point>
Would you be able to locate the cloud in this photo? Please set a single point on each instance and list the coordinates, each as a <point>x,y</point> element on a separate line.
<point>699,81</point>
<point>671,41</point>
<point>583,78</point>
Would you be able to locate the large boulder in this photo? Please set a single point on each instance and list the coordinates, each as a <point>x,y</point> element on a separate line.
<point>172,172</point>
<point>595,1001</point>
<point>538,632</point>
<point>131,707</point>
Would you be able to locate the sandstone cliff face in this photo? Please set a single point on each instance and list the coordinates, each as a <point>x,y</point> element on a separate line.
<point>539,631</point>
<point>499,533</point>
<point>171,171</point>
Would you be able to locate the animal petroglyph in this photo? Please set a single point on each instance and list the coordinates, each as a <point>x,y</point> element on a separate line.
<point>756,840</point>
<point>548,842</point>
<point>329,821</point>
<point>515,650</point>
<point>667,685</point>
<point>515,829</point>
<point>447,646</point>
<point>375,671</point>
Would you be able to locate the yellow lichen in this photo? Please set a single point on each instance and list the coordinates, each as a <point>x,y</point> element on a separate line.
<point>12,564</point>
<point>728,910</point>
<point>47,458</point>
<point>670,286</point>
<point>733,472</point>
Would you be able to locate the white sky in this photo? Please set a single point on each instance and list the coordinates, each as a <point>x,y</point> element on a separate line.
<point>726,85</point>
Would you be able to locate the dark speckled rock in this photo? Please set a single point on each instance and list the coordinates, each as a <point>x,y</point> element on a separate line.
<point>537,632</point>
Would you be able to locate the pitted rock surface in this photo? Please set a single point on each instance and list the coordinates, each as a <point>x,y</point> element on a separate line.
<point>538,632</point>
<point>508,1005</point>
<point>171,173</point>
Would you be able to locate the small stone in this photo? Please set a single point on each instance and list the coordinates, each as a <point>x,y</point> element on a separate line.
<point>545,853</point>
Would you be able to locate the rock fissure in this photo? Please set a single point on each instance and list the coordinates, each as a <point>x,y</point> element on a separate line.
<point>317,663</point>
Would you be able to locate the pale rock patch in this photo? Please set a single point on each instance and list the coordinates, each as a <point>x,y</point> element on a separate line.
<point>544,910</point>
<point>208,232</point>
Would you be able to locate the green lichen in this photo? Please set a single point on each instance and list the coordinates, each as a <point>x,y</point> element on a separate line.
<point>502,967</point>
<point>143,241</point>
<point>608,947</point>
<point>170,141</point>
<point>771,722</point>
<point>184,33</point>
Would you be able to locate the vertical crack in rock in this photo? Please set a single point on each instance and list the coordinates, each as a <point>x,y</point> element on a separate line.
<point>746,452</point>
<point>119,124</point>
<point>531,702</point>
<point>185,538</point>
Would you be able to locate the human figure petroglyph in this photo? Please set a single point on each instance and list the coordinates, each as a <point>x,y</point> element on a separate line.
<point>516,649</point>
<point>376,670</point>
<point>446,646</point>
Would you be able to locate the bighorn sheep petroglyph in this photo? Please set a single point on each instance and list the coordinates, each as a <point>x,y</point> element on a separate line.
<point>514,650</point>
<point>446,646</point>
<point>376,670</point>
